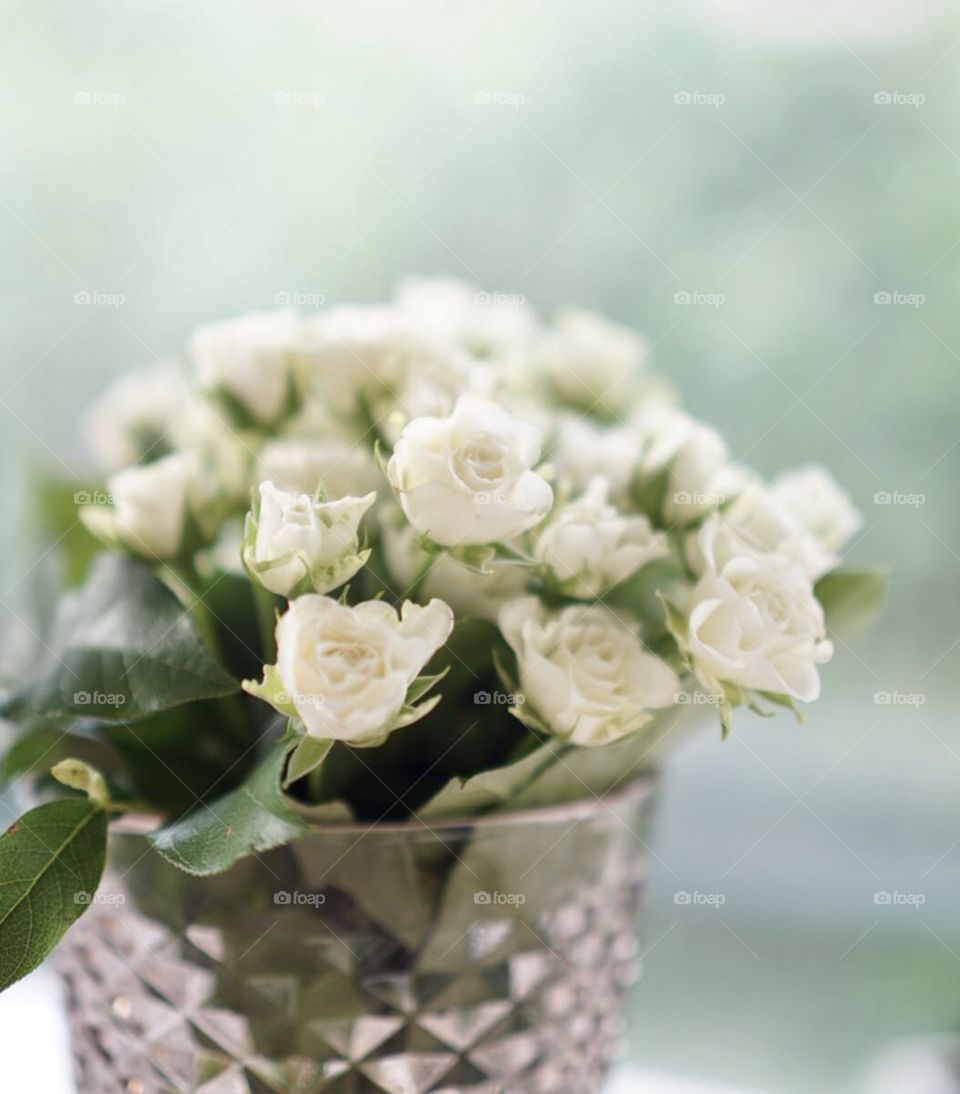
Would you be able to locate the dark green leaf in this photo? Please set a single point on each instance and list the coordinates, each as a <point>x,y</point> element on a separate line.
<point>124,648</point>
<point>41,748</point>
<point>175,758</point>
<point>51,860</point>
<point>252,818</point>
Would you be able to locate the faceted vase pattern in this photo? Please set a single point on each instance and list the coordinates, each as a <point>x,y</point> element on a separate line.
<point>484,956</point>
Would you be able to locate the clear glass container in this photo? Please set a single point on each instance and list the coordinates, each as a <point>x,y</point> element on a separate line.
<point>489,954</point>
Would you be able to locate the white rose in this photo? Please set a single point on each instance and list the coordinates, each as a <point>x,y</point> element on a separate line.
<point>467,592</point>
<point>345,672</point>
<point>295,542</point>
<point>155,507</point>
<point>353,356</point>
<point>467,479</point>
<point>590,546</point>
<point>132,418</point>
<point>813,497</point>
<point>754,622</point>
<point>594,364</point>
<point>228,452</point>
<point>487,325</point>
<point>429,386</point>
<point>585,671</point>
<point>758,523</point>
<point>700,476</point>
<point>302,465</point>
<point>250,359</point>
<point>583,449</point>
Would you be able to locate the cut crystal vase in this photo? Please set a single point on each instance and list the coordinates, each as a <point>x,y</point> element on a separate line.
<point>483,955</point>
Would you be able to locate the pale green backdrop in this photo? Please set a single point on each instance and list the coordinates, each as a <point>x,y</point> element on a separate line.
<point>780,164</point>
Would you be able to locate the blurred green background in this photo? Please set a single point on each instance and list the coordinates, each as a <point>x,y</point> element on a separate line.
<point>769,191</point>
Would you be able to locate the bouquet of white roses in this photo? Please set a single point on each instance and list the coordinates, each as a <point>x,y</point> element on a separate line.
<point>429,559</point>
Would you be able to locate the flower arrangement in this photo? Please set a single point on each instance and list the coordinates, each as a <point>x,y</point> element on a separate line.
<point>427,560</point>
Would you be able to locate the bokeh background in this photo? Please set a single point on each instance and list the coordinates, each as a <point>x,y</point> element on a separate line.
<point>768,190</point>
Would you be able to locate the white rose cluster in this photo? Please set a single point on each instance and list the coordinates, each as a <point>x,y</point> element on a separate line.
<point>380,474</point>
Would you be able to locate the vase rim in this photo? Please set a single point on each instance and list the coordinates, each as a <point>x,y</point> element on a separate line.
<point>636,789</point>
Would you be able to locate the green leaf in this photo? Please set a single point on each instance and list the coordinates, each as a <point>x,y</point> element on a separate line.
<point>41,748</point>
<point>254,817</point>
<point>676,620</point>
<point>422,685</point>
<point>475,558</point>
<point>124,648</point>
<point>177,757</point>
<point>56,514</point>
<point>308,754</point>
<point>51,860</point>
<point>852,599</point>
<point>490,789</point>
